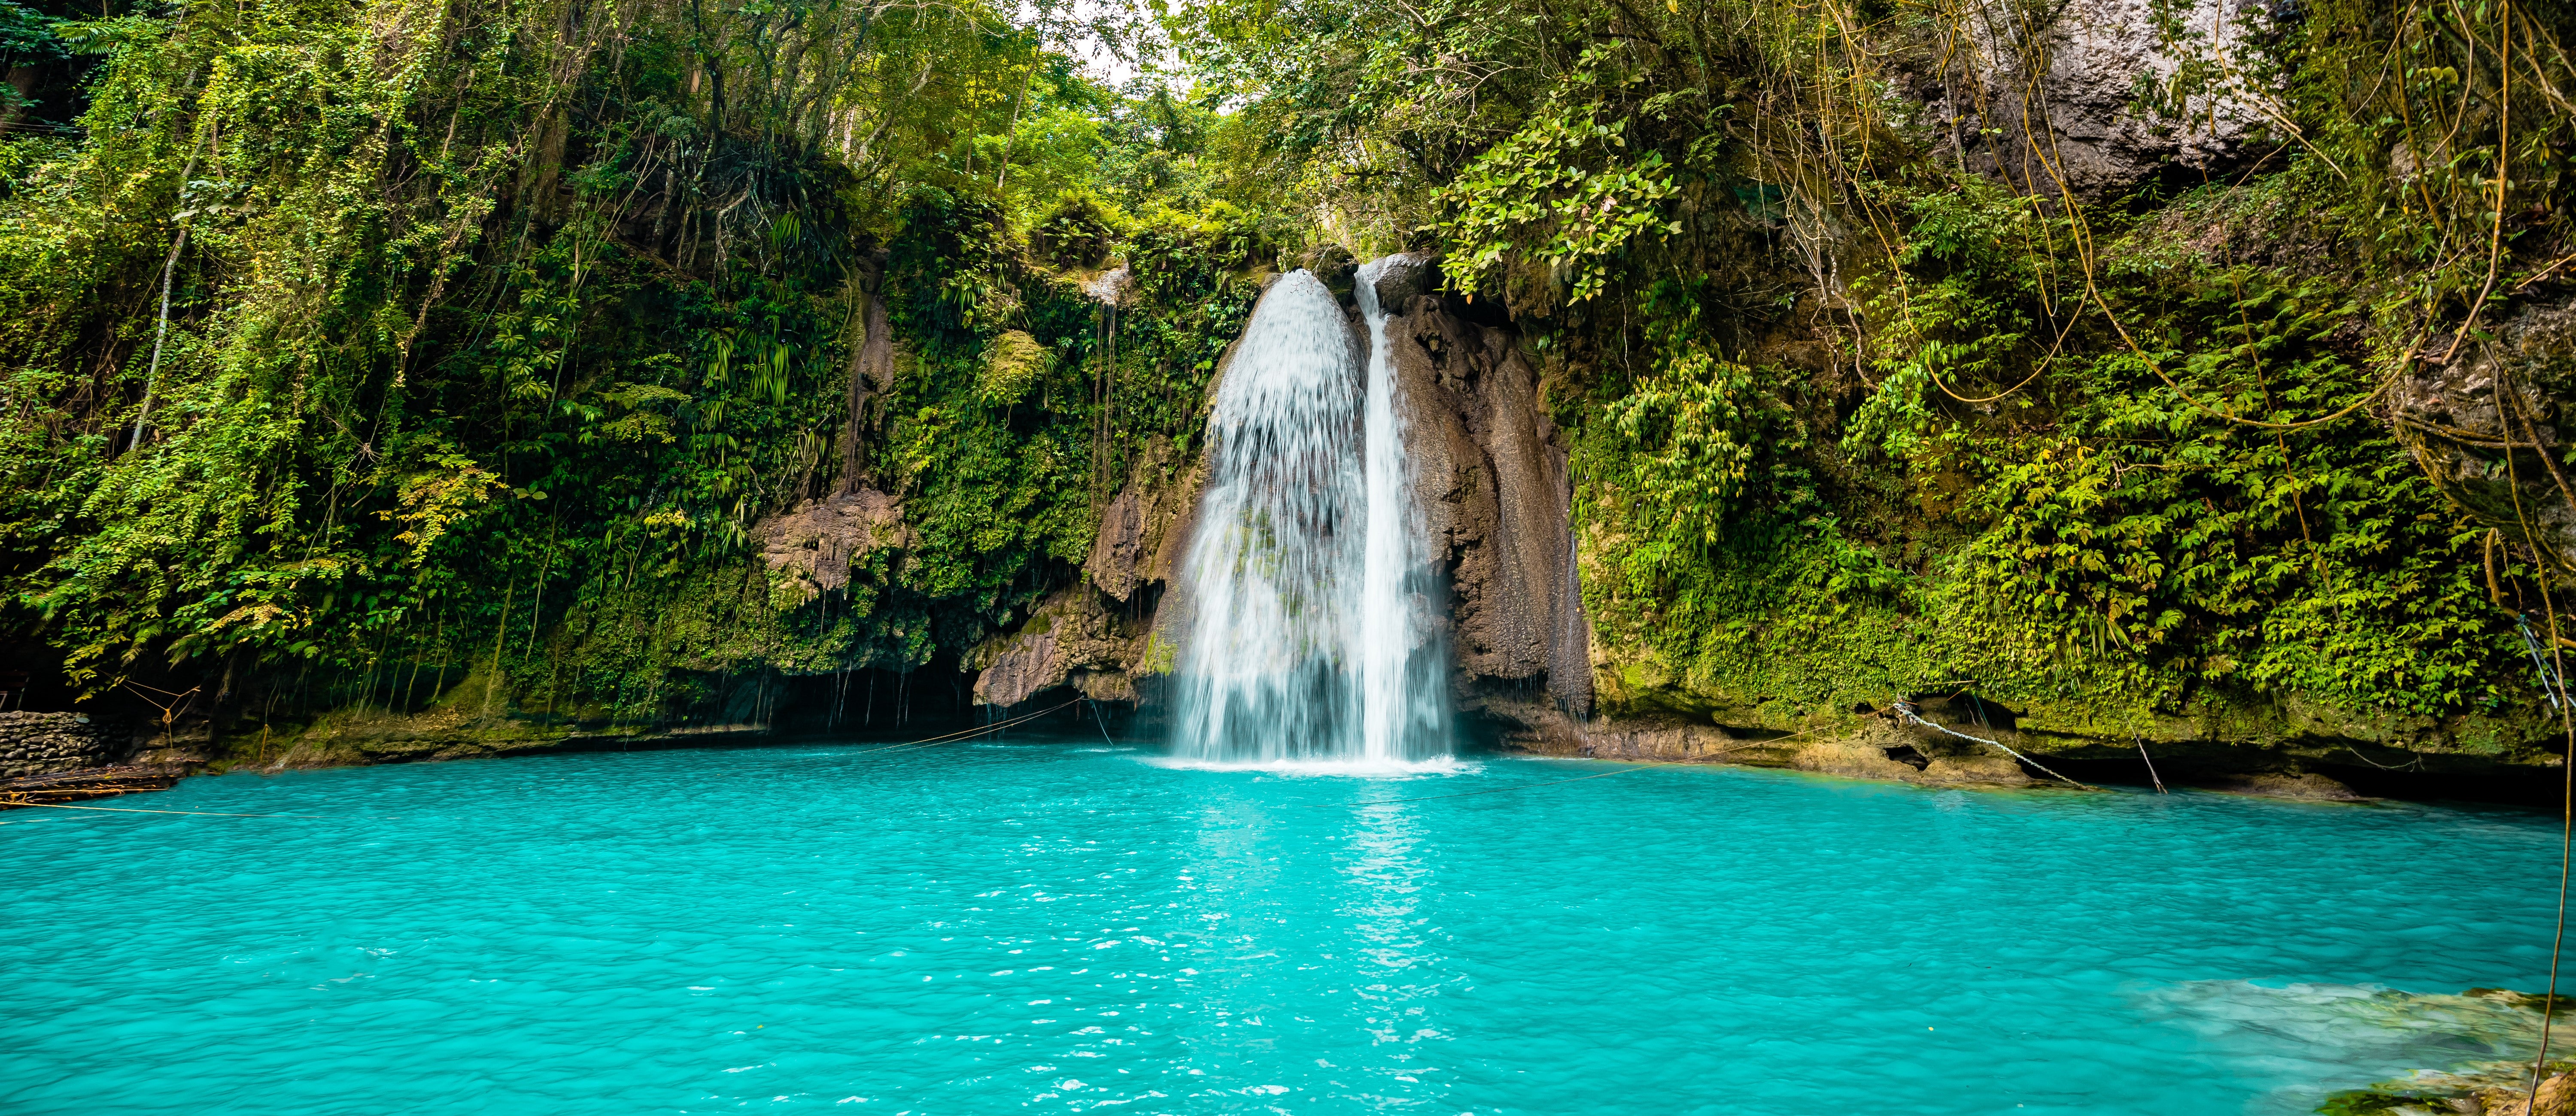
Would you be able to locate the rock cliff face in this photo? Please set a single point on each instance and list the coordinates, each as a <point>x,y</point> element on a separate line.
<point>2048,97</point>
<point>1098,635</point>
<point>2483,419</point>
<point>1145,529</point>
<point>815,544</point>
<point>1071,641</point>
<point>1490,471</point>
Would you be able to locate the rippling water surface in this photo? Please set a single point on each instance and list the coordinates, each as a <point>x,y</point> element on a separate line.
<point>1037,925</point>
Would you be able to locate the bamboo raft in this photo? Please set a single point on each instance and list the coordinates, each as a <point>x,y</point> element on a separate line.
<point>87,783</point>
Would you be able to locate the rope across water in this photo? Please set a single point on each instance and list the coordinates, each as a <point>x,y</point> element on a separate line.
<point>966,734</point>
<point>1905,709</point>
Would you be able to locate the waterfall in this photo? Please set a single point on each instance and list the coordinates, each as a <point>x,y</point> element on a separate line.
<point>1308,636</point>
<point>1403,665</point>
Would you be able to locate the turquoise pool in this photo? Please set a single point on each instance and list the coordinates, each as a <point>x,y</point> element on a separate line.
<point>1041,925</point>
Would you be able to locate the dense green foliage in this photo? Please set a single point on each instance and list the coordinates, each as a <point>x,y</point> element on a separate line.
<point>346,341</point>
<point>354,346</point>
<point>1866,399</point>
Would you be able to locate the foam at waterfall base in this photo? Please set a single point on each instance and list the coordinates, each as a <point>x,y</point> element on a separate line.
<point>1352,768</point>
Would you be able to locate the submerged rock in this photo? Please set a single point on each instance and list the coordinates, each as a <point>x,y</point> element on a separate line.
<point>2557,1097</point>
<point>2289,784</point>
<point>2496,1021</point>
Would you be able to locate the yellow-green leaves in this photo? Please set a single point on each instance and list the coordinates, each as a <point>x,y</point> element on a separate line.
<point>444,491</point>
<point>1682,426</point>
<point>1556,193</point>
<point>636,421</point>
<point>1013,363</point>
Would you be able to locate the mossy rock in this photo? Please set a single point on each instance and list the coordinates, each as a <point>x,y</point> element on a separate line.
<point>1013,363</point>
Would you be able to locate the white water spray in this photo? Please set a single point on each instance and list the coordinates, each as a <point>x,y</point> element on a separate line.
<point>1308,640</point>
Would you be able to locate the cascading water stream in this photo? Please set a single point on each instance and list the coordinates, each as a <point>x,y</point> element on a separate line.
<point>1261,676</point>
<point>1404,714</point>
<point>1308,639</point>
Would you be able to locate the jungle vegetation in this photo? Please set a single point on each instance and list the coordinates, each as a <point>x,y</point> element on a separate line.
<point>351,347</point>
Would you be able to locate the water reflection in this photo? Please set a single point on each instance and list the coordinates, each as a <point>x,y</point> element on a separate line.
<point>1403,965</point>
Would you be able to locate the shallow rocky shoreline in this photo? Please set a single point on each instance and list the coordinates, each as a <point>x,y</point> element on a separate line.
<point>1875,744</point>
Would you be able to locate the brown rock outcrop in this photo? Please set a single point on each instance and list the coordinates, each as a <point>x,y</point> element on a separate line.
<point>1491,475</point>
<point>1072,640</point>
<point>2556,1097</point>
<point>1144,530</point>
<point>2497,453</point>
<point>871,373</point>
<point>1118,550</point>
<point>815,543</point>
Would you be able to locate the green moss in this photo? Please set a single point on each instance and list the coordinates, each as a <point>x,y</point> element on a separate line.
<point>1013,364</point>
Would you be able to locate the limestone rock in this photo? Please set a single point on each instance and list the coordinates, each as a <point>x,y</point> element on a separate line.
<point>1975,770</point>
<point>2452,416</point>
<point>1144,529</point>
<point>1116,685</point>
<point>1071,640</point>
<point>1333,264</point>
<point>1112,287</point>
<point>816,543</point>
<point>1117,550</point>
<point>1032,662</point>
<point>1855,759</point>
<point>1170,522</point>
<point>2075,116</point>
<point>1491,474</point>
<point>2308,786</point>
<point>2556,1097</point>
<point>872,371</point>
<point>1404,278</point>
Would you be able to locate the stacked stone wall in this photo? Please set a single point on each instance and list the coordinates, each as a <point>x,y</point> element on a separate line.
<point>44,743</point>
